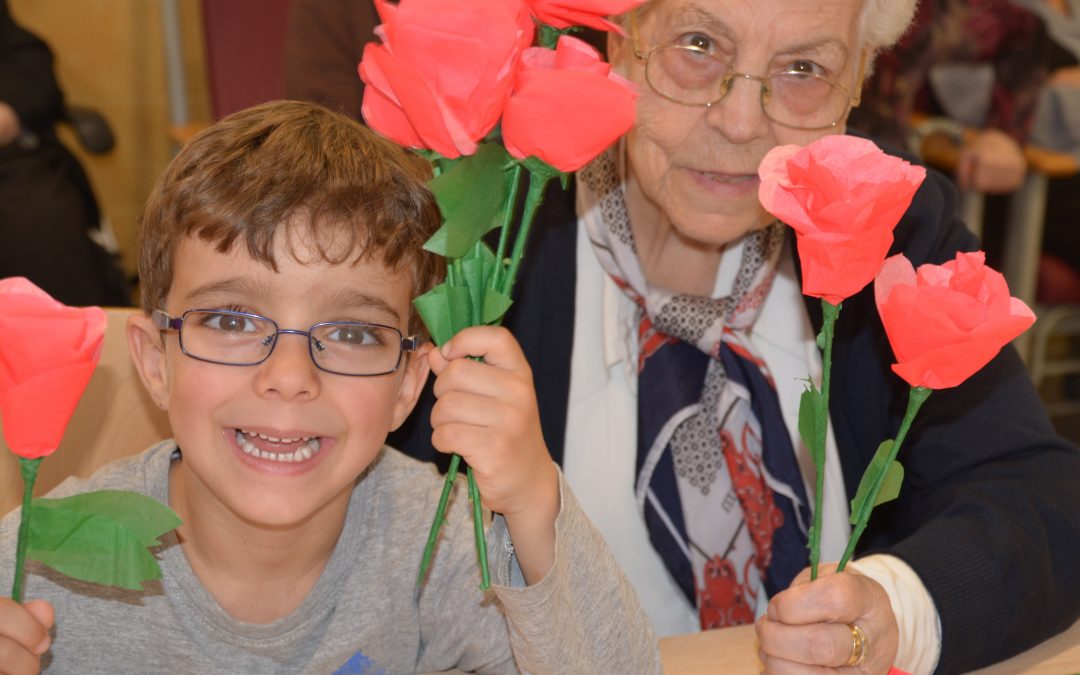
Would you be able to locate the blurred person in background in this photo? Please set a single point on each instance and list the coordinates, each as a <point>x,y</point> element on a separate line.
<point>977,63</point>
<point>47,206</point>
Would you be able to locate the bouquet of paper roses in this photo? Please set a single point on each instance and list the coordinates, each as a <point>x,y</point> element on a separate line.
<point>843,197</point>
<point>461,82</point>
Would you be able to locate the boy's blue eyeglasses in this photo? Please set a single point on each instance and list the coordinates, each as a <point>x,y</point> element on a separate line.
<point>229,338</point>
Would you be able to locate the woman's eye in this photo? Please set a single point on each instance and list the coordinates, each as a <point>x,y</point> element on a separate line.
<point>698,41</point>
<point>805,67</point>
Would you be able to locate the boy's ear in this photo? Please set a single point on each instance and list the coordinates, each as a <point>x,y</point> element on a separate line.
<point>148,353</point>
<point>417,368</point>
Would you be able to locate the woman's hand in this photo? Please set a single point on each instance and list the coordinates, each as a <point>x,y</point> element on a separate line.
<point>24,635</point>
<point>808,627</point>
<point>487,413</point>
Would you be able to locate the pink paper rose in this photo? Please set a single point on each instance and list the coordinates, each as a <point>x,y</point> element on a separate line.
<point>567,106</point>
<point>47,353</point>
<point>592,13</point>
<point>441,76</point>
<point>945,322</point>
<point>843,197</point>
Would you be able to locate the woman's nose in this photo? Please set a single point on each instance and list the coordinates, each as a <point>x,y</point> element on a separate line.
<point>739,116</point>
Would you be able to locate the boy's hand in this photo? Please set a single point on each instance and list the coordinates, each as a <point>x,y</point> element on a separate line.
<point>24,635</point>
<point>487,413</point>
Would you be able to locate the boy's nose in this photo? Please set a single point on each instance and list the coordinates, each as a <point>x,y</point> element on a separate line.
<point>288,372</point>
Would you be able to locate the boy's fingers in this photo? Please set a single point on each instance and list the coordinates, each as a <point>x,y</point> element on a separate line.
<point>15,659</point>
<point>437,361</point>
<point>42,611</point>
<point>27,626</point>
<point>468,408</point>
<point>483,379</point>
<point>494,344</point>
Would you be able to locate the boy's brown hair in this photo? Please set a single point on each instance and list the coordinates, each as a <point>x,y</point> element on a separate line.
<point>286,164</point>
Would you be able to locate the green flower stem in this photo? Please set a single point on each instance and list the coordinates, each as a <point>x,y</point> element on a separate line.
<point>533,198</point>
<point>504,229</point>
<point>478,531</point>
<point>916,398</point>
<point>455,273</point>
<point>825,340</point>
<point>456,277</point>
<point>440,513</point>
<point>29,470</point>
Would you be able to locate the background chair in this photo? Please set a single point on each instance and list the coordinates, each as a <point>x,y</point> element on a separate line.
<point>115,418</point>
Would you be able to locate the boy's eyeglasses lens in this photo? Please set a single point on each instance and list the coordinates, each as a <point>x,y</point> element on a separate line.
<point>242,339</point>
<point>801,100</point>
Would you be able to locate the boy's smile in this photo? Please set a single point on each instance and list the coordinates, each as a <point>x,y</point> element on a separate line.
<point>280,443</point>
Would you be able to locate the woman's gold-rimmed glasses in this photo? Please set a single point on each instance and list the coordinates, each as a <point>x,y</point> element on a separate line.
<point>795,98</point>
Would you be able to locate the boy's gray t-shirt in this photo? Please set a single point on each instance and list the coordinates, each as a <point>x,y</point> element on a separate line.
<point>365,613</point>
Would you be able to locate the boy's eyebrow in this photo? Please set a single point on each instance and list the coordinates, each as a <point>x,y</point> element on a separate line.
<point>354,299</point>
<point>234,286</point>
<point>344,298</point>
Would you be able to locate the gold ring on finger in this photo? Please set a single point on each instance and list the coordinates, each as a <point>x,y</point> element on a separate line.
<point>859,646</point>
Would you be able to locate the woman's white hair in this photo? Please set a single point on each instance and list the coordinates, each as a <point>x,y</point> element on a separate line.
<point>883,22</point>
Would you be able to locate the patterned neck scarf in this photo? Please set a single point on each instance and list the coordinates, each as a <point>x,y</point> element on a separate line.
<point>717,480</point>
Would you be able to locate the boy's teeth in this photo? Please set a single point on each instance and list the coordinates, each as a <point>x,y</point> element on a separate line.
<point>304,452</point>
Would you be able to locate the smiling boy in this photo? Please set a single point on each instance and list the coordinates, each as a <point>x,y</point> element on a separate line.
<point>279,255</point>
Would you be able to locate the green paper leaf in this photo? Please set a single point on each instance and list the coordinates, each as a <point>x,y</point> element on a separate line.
<point>891,475</point>
<point>100,537</point>
<point>471,196</point>
<point>478,267</point>
<point>445,310</point>
<point>495,305</point>
<point>811,415</point>
<point>144,516</point>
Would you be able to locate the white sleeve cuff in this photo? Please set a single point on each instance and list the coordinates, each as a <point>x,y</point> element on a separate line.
<point>916,615</point>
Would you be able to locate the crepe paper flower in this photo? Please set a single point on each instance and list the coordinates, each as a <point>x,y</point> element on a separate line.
<point>541,120</point>
<point>563,14</point>
<point>48,352</point>
<point>944,323</point>
<point>440,77</point>
<point>843,197</point>
<point>448,72</point>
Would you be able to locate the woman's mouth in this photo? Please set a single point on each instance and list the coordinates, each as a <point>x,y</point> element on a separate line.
<point>729,178</point>
<point>284,450</point>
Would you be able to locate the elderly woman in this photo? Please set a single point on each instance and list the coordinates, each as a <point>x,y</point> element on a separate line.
<point>662,314</point>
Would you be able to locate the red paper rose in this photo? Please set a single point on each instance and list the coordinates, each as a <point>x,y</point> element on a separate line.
<point>945,322</point>
<point>843,196</point>
<point>441,76</point>
<point>565,13</point>
<point>566,106</point>
<point>47,354</point>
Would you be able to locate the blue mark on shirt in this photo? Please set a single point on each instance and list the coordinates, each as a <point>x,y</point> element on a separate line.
<point>359,665</point>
